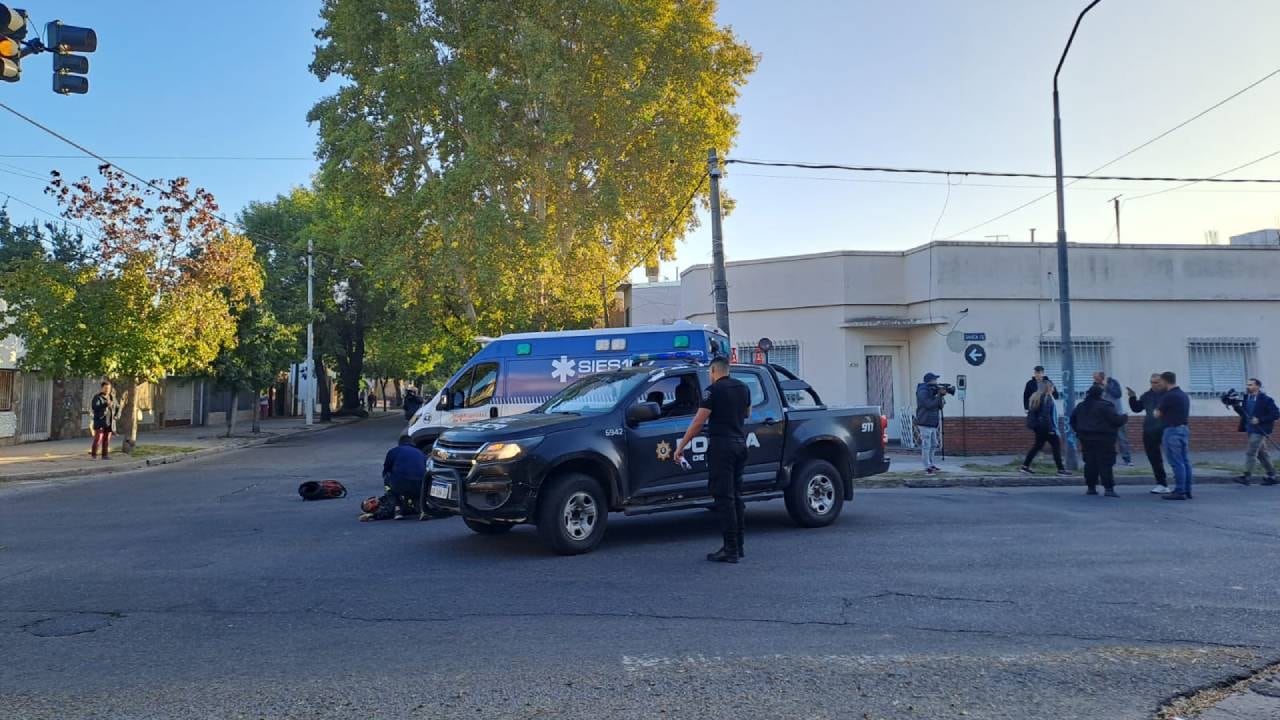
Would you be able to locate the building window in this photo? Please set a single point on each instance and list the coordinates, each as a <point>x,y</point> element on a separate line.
<point>1091,355</point>
<point>785,354</point>
<point>1220,364</point>
<point>6,390</point>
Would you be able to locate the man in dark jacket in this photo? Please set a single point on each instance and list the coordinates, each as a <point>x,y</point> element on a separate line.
<point>105,413</point>
<point>404,471</point>
<point>1152,430</point>
<point>1175,412</point>
<point>1258,414</point>
<point>930,398</point>
<point>1095,422</point>
<point>412,401</point>
<point>1033,386</point>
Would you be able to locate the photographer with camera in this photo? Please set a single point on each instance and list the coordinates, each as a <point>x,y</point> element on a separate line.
<point>1258,414</point>
<point>931,396</point>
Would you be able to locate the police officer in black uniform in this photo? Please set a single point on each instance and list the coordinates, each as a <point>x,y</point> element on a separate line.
<point>726,405</point>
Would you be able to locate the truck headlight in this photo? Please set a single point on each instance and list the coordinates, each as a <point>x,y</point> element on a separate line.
<point>504,451</point>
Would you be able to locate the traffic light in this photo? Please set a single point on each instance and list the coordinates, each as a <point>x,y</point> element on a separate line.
<point>69,70</point>
<point>13,28</point>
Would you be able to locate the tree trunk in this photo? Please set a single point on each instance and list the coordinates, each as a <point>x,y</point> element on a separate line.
<point>257,410</point>
<point>382,390</point>
<point>324,391</point>
<point>399,394</point>
<point>127,428</point>
<point>231,412</point>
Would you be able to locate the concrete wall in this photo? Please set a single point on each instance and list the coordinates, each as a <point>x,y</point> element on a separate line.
<point>653,303</point>
<point>1145,301</point>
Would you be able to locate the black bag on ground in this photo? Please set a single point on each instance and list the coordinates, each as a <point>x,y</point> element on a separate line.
<point>321,490</point>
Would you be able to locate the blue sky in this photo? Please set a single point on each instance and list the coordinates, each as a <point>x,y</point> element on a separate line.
<point>930,83</point>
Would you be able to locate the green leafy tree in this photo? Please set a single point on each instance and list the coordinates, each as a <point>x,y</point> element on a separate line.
<point>519,158</point>
<point>263,349</point>
<point>158,294</point>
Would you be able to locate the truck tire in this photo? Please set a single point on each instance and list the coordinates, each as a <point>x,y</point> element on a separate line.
<point>484,528</point>
<point>573,514</point>
<point>816,494</point>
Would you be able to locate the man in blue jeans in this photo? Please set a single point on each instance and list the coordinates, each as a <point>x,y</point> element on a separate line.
<point>1174,410</point>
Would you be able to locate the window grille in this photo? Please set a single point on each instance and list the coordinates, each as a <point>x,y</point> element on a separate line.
<point>784,354</point>
<point>1220,364</point>
<point>1091,355</point>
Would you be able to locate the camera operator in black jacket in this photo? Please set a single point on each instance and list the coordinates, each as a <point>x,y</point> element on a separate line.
<point>1095,422</point>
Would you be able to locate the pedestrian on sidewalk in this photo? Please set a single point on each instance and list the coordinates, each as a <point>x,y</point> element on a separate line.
<point>106,411</point>
<point>1114,394</point>
<point>1175,410</point>
<point>930,399</point>
<point>1042,419</point>
<point>1152,430</point>
<point>1258,414</point>
<point>373,401</point>
<point>1033,387</point>
<point>1096,422</point>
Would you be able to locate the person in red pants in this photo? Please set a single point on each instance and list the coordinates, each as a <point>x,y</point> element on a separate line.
<point>105,412</point>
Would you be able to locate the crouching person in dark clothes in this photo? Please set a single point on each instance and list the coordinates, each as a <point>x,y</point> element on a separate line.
<point>1095,422</point>
<point>726,406</point>
<point>403,473</point>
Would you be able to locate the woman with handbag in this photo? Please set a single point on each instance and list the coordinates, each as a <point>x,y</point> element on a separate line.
<point>1042,419</point>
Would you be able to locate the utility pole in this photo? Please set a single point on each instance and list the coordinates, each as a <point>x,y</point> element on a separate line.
<point>721,285</point>
<point>1064,283</point>
<point>1116,201</point>
<point>309,402</point>
<point>1033,234</point>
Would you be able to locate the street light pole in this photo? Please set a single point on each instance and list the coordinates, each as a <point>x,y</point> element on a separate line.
<point>721,285</point>
<point>1064,283</point>
<point>311,363</point>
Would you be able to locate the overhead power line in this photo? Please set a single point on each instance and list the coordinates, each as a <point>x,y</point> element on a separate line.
<point>1212,178</point>
<point>1126,154</point>
<point>59,218</point>
<point>992,173</point>
<point>265,158</point>
<point>225,221</point>
<point>657,243</point>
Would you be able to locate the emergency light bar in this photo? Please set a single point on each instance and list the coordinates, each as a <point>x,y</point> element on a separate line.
<point>692,357</point>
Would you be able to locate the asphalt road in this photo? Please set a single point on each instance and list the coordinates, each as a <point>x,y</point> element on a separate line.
<point>208,589</point>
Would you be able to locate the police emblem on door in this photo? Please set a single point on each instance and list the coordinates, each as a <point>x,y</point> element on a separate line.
<point>664,450</point>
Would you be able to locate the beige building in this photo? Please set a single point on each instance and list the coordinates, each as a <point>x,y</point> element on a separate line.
<point>866,326</point>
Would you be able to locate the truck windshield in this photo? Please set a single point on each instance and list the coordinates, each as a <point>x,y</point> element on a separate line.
<point>593,395</point>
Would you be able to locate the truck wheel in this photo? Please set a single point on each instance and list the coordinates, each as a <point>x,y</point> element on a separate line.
<point>485,528</point>
<point>573,514</point>
<point>816,495</point>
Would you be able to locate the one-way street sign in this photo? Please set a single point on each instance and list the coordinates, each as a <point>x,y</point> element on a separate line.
<point>975,355</point>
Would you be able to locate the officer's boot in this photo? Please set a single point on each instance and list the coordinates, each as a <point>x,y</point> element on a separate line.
<point>742,553</point>
<point>728,553</point>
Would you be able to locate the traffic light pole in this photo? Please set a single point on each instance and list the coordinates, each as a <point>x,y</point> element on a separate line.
<point>721,285</point>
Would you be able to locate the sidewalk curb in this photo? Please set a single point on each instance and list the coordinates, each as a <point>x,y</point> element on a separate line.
<point>1010,481</point>
<point>133,465</point>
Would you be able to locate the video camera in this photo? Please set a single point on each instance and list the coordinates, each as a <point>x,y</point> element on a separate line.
<point>1231,398</point>
<point>946,389</point>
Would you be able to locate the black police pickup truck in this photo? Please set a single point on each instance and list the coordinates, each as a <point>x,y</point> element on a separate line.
<point>604,444</point>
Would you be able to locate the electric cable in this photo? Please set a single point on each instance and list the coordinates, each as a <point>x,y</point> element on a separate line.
<point>1124,155</point>
<point>657,243</point>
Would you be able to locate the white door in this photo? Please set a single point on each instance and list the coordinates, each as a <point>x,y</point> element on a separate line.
<point>884,384</point>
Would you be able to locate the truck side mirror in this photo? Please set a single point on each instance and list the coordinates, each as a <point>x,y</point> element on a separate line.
<point>643,412</point>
